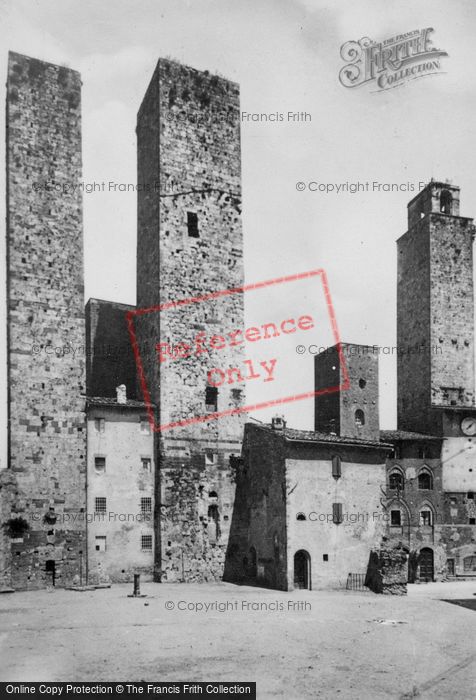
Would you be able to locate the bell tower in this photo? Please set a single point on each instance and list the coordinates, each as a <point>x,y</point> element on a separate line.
<point>435,314</point>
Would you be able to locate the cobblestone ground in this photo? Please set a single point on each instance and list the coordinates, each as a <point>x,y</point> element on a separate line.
<point>305,644</point>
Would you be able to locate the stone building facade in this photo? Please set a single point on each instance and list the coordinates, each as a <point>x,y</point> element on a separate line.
<point>120,491</point>
<point>45,300</point>
<point>280,507</point>
<point>435,312</point>
<point>190,245</point>
<point>436,386</point>
<point>308,508</point>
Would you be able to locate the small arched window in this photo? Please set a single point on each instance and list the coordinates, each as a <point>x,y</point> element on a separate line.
<point>396,481</point>
<point>446,200</point>
<point>359,418</point>
<point>426,517</point>
<point>425,480</point>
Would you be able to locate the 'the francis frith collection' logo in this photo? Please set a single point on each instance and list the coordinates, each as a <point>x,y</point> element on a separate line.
<point>391,62</point>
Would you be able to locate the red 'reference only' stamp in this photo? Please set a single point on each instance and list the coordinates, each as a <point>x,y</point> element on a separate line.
<point>218,347</point>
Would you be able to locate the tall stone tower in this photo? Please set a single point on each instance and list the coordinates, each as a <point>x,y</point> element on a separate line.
<point>47,434</point>
<point>190,245</point>
<point>352,411</point>
<point>435,314</point>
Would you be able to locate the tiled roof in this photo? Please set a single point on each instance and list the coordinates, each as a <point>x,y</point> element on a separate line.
<point>312,436</point>
<point>392,435</point>
<point>106,401</point>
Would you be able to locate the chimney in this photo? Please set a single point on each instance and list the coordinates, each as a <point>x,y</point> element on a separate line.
<point>121,393</point>
<point>278,423</point>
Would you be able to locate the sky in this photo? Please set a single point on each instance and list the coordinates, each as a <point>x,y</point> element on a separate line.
<point>285,55</point>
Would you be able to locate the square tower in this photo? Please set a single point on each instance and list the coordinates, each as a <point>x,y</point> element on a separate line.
<point>45,298</point>
<point>190,244</point>
<point>435,311</point>
<point>352,411</point>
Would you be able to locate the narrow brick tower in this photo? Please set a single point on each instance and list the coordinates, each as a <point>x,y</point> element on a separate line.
<point>47,436</point>
<point>435,316</point>
<point>189,245</point>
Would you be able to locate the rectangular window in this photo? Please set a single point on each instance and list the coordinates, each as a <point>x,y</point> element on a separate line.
<point>146,543</point>
<point>146,464</point>
<point>146,505</point>
<point>100,543</point>
<point>99,425</point>
<point>472,521</point>
<point>337,513</point>
<point>395,518</point>
<point>100,504</point>
<point>336,467</point>
<point>211,398</point>
<point>210,457</point>
<point>100,465</point>
<point>192,224</point>
<point>145,425</point>
<point>325,557</point>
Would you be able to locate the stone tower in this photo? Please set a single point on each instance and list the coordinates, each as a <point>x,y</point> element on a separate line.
<point>47,435</point>
<point>435,314</point>
<point>189,245</point>
<point>352,411</point>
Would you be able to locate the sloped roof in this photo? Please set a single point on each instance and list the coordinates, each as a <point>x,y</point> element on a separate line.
<point>106,401</point>
<point>393,435</point>
<point>295,435</point>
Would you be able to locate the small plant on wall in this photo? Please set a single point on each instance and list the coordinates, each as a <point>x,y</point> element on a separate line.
<point>16,528</point>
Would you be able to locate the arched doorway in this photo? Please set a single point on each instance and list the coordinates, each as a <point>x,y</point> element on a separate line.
<point>302,570</point>
<point>426,564</point>
<point>253,571</point>
<point>50,569</point>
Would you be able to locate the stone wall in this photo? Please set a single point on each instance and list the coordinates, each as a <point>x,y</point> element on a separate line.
<point>336,412</point>
<point>452,310</point>
<point>257,550</point>
<point>435,312</point>
<point>47,437</point>
<point>189,245</point>
<point>413,328</point>
<point>387,570</point>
